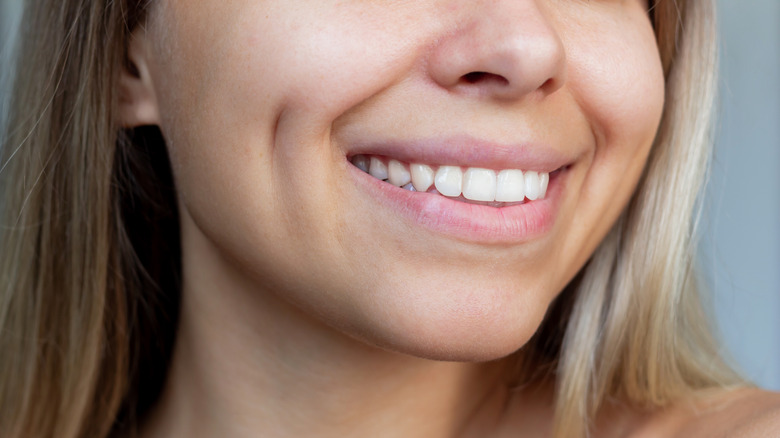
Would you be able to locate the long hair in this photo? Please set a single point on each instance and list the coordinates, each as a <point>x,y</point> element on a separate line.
<point>89,244</point>
<point>90,251</point>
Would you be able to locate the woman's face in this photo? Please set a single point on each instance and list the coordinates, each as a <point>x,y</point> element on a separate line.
<point>265,105</point>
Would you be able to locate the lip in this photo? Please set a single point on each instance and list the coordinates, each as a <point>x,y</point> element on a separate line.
<point>463,221</point>
<point>467,151</point>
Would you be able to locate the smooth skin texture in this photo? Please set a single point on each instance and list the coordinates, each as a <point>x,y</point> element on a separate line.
<point>311,308</point>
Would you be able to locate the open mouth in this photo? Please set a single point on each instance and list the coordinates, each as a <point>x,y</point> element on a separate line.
<point>474,185</point>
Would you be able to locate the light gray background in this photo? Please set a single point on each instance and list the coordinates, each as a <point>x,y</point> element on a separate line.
<point>741,232</point>
<point>741,225</point>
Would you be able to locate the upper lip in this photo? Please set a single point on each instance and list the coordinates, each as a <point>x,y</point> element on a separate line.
<point>468,151</point>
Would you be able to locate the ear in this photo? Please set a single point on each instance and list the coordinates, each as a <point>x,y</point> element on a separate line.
<point>137,98</point>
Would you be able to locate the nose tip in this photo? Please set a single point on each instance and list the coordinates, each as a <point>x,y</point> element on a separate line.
<point>506,51</point>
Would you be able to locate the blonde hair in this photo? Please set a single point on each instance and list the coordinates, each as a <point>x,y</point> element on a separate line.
<point>89,249</point>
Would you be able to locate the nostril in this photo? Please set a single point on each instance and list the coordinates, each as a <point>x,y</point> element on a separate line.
<point>474,76</point>
<point>549,84</point>
<point>481,76</point>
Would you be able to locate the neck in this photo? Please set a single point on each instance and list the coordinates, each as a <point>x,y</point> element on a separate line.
<point>246,363</point>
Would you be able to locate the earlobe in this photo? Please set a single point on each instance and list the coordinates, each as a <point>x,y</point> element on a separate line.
<point>137,98</point>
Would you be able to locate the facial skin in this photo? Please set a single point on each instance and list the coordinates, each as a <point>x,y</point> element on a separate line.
<point>262,103</point>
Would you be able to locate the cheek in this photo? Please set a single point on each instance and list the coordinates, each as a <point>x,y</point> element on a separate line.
<point>232,77</point>
<point>618,78</point>
<point>312,60</point>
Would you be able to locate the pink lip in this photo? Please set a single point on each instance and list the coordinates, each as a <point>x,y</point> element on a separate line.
<point>459,220</point>
<point>470,152</point>
<point>468,222</point>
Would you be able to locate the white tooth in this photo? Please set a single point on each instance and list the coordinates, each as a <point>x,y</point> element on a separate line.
<point>510,186</point>
<point>377,169</point>
<point>532,185</point>
<point>448,180</point>
<point>544,180</point>
<point>397,174</point>
<point>422,177</point>
<point>409,187</point>
<point>361,162</point>
<point>479,184</point>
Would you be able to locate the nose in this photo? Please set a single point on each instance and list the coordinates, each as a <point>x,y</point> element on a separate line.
<point>505,49</point>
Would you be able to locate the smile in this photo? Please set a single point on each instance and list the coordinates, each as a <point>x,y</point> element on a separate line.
<point>496,188</point>
<point>469,191</point>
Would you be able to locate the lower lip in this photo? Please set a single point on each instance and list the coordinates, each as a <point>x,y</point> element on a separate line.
<point>464,221</point>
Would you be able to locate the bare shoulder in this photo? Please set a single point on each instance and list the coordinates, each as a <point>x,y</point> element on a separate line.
<point>742,413</point>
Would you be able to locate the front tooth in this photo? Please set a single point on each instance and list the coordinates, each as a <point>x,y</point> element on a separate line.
<point>377,169</point>
<point>479,184</point>
<point>532,185</point>
<point>448,181</point>
<point>510,186</point>
<point>422,177</point>
<point>544,180</point>
<point>397,174</point>
<point>361,162</point>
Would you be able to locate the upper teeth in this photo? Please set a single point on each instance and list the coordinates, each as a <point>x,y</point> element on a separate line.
<point>476,184</point>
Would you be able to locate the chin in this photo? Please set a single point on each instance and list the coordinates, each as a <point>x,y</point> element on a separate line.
<point>456,346</point>
<point>461,328</point>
